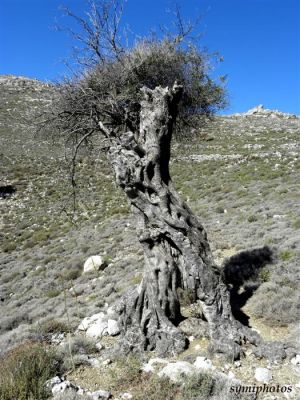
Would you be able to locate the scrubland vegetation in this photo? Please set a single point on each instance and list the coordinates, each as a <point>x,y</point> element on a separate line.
<point>239,174</point>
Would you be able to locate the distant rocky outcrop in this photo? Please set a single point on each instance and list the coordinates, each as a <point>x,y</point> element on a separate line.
<point>261,111</point>
<point>22,82</point>
<point>20,98</point>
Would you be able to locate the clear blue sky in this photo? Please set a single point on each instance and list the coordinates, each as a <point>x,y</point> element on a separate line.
<point>259,40</point>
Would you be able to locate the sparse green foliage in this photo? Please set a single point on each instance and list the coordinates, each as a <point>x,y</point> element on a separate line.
<point>72,271</point>
<point>125,371</point>
<point>110,92</point>
<point>201,386</point>
<point>24,371</point>
<point>252,218</point>
<point>108,89</point>
<point>52,326</point>
<point>9,247</point>
<point>297,223</point>
<point>264,275</point>
<point>154,388</point>
<point>285,255</point>
<point>81,345</point>
<point>53,293</point>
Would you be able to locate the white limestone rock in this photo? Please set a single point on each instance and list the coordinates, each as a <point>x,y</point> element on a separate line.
<point>99,346</point>
<point>296,360</point>
<point>203,363</point>
<point>101,394</point>
<point>53,381</point>
<point>126,396</point>
<point>111,311</point>
<point>178,371</point>
<point>263,375</point>
<point>57,338</point>
<point>153,363</point>
<point>231,375</point>
<point>97,330</point>
<point>112,327</point>
<point>88,321</point>
<point>94,263</point>
<point>63,387</point>
<point>97,326</point>
<point>94,326</point>
<point>94,362</point>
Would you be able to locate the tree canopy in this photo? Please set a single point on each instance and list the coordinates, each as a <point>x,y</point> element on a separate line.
<point>107,90</point>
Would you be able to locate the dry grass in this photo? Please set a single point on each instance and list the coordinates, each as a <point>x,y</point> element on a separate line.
<point>24,371</point>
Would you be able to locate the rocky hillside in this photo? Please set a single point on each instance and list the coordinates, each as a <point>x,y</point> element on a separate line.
<point>240,175</point>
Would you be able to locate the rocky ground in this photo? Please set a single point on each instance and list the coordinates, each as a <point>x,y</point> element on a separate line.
<point>240,175</point>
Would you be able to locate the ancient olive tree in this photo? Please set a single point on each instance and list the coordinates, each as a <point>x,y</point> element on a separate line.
<point>137,99</point>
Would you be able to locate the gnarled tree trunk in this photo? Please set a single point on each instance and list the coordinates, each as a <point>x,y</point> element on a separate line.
<point>177,254</point>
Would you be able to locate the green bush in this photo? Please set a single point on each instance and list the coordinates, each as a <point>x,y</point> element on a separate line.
<point>296,224</point>
<point>264,275</point>
<point>252,218</point>
<point>12,321</point>
<point>52,293</point>
<point>52,326</point>
<point>285,255</point>
<point>154,388</point>
<point>72,271</point>
<point>125,373</point>
<point>81,345</point>
<point>199,387</point>
<point>40,236</point>
<point>24,371</point>
<point>9,247</point>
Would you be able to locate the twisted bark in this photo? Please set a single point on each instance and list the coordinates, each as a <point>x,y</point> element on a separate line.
<point>177,253</point>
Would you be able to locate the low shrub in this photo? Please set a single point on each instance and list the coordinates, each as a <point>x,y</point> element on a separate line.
<point>276,303</point>
<point>72,271</point>
<point>81,345</point>
<point>296,223</point>
<point>264,275</point>
<point>252,218</point>
<point>71,362</point>
<point>285,255</point>
<point>52,293</point>
<point>200,386</point>
<point>203,386</point>
<point>9,247</point>
<point>52,326</point>
<point>24,371</point>
<point>153,388</point>
<point>126,372</point>
<point>12,322</point>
